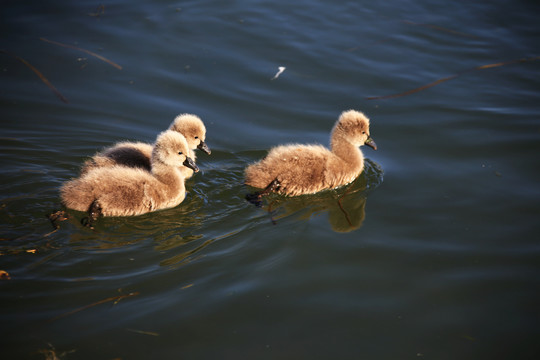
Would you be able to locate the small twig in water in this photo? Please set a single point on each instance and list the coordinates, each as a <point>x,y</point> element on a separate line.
<point>99,11</point>
<point>85,51</point>
<point>481,67</point>
<point>144,332</point>
<point>39,74</point>
<point>440,28</point>
<point>116,299</point>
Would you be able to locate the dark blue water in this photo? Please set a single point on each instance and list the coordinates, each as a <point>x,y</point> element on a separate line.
<point>432,252</point>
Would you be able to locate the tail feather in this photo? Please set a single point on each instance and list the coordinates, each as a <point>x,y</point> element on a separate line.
<point>76,196</point>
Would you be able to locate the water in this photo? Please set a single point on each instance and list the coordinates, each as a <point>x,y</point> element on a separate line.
<point>432,253</point>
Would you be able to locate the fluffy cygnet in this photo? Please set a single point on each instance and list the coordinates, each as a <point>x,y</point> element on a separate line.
<point>306,169</point>
<point>137,154</point>
<point>123,191</point>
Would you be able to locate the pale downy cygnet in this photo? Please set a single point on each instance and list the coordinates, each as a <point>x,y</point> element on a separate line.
<point>306,169</point>
<point>137,154</point>
<point>123,191</point>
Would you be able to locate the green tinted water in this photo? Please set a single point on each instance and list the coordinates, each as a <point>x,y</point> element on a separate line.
<point>433,252</point>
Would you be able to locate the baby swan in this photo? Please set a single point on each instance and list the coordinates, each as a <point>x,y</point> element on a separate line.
<point>123,191</point>
<point>138,154</point>
<point>306,169</point>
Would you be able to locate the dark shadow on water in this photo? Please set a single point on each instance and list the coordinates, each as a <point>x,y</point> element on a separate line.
<point>168,228</point>
<point>345,206</point>
<point>212,210</point>
<point>345,212</point>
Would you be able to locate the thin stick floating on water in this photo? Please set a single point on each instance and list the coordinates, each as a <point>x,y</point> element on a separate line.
<point>100,11</point>
<point>39,74</point>
<point>116,299</point>
<point>427,86</point>
<point>152,333</point>
<point>440,28</point>
<point>85,51</point>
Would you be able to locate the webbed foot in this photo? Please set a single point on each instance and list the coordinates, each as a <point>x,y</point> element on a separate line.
<point>94,212</point>
<point>59,215</point>
<point>256,197</point>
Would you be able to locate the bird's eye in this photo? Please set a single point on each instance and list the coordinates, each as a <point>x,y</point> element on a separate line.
<point>180,153</point>
<point>196,137</point>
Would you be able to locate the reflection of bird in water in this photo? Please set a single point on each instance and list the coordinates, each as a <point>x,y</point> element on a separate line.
<point>345,207</point>
<point>170,231</point>
<point>350,216</point>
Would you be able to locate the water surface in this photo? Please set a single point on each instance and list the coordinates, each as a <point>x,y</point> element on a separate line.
<point>431,253</point>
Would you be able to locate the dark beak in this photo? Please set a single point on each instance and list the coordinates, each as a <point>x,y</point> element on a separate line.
<point>191,164</point>
<point>369,142</point>
<point>202,146</point>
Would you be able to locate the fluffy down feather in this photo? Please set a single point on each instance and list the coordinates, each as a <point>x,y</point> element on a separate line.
<point>306,169</point>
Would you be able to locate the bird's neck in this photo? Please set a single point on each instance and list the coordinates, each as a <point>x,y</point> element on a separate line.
<point>168,175</point>
<point>346,151</point>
